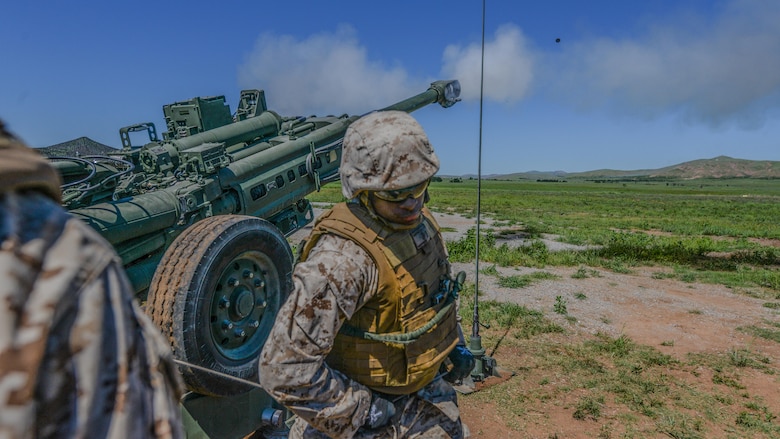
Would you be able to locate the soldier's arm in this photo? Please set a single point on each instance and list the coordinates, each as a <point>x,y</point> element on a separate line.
<point>329,286</point>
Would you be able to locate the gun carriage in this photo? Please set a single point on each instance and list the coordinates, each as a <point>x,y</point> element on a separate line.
<point>200,220</point>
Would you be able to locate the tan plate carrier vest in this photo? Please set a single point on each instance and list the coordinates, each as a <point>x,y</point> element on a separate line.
<point>412,265</point>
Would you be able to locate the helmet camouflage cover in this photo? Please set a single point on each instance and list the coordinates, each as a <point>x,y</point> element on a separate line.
<point>385,150</point>
<point>22,168</point>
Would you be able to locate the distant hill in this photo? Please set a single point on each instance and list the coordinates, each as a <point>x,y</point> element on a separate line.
<point>77,147</point>
<point>724,167</point>
<point>718,167</point>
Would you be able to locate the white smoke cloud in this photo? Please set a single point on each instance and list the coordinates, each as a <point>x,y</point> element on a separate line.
<point>508,66</point>
<point>330,71</point>
<point>324,72</point>
<point>719,72</point>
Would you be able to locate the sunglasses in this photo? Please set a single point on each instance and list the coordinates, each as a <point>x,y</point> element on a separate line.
<point>396,196</point>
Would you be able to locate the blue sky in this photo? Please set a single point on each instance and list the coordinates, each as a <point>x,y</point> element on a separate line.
<point>630,85</point>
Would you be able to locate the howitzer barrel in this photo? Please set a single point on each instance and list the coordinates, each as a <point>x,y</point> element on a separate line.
<point>445,93</point>
<point>284,153</point>
<point>262,125</point>
<point>268,123</point>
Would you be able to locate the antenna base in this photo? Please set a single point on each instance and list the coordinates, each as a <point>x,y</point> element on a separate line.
<point>486,371</point>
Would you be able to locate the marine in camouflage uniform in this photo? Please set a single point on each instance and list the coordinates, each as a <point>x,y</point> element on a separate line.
<point>78,358</point>
<point>350,353</point>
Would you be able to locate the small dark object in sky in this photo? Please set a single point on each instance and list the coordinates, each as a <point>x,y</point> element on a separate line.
<point>557,40</point>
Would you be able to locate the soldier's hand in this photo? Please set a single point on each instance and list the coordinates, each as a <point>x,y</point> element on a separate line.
<point>380,412</point>
<point>463,363</point>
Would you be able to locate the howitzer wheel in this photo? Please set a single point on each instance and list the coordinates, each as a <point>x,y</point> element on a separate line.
<point>215,295</point>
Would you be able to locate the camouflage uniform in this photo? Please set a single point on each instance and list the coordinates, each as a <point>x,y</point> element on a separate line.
<point>78,358</point>
<point>335,280</point>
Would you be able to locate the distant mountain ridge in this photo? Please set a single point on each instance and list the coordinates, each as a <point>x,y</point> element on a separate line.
<point>76,147</point>
<point>717,167</point>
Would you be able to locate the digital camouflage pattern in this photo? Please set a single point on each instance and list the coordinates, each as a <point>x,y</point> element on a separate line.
<point>78,358</point>
<point>385,150</point>
<point>338,278</point>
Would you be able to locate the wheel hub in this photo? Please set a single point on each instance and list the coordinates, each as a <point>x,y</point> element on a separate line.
<point>238,306</point>
<point>244,304</point>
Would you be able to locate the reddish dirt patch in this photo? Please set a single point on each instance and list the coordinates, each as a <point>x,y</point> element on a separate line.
<point>674,317</point>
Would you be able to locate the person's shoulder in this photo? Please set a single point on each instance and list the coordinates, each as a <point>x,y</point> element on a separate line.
<point>31,216</point>
<point>77,233</point>
<point>94,251</point>
<point>63,241</point>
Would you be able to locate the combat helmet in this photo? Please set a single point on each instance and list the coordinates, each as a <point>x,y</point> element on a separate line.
<point>385,150</point>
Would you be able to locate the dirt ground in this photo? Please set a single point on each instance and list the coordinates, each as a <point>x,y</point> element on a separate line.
<point>675,317</point>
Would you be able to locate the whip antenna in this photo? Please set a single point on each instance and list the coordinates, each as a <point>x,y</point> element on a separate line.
<point>475,325</point>
<point>485,366</point>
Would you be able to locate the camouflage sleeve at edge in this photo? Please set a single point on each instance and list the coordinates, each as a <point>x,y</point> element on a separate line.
<point>96,367</point>
<point>336,279</point>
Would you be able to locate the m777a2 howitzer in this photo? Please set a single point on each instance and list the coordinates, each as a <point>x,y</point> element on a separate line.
<point>200,221</point>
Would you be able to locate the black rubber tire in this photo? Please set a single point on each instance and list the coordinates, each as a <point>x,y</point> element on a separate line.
<point>216,294</point>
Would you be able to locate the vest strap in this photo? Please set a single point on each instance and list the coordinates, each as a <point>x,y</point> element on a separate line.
<point>409,337</point>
